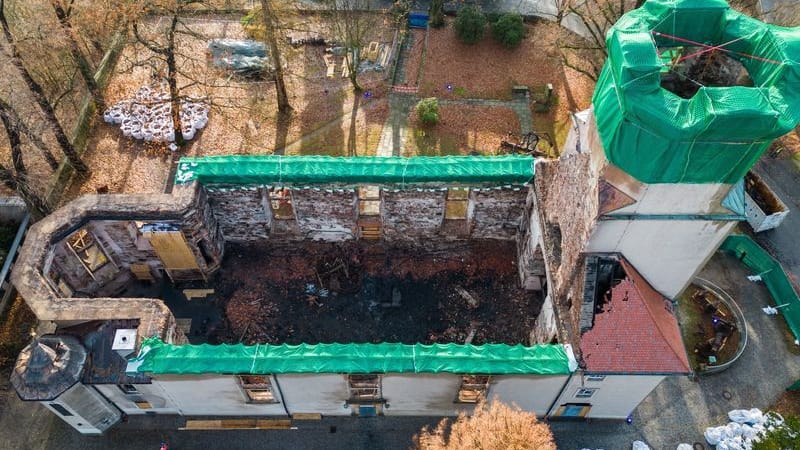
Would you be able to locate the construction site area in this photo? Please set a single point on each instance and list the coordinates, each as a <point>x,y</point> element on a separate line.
<point>305,292</point>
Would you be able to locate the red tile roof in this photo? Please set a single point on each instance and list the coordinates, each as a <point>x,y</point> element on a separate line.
<point>636,333</point>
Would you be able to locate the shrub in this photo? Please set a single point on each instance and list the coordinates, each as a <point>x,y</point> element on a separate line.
<point>509,30</point>
<point>428,110</point>
<point>436,14</point>
<point>493,426</point>
<point>469,24</point>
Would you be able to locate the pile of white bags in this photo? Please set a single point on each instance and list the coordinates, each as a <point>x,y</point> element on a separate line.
<point>744,428</point>
<point>149,116</point>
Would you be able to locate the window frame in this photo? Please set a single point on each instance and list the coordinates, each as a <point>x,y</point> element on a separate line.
<point>585,392</point>
<point>248,388</point>
<point>595,377</point>
<point>480,385</point>
<point>128,389</point>
<point>354,398</point>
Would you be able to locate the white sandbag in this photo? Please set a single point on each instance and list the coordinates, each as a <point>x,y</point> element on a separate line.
<point>684,447</point>
<point>750,416</point>
<point>733,430</point>
<point>714,435</point>
<point>639,445</point>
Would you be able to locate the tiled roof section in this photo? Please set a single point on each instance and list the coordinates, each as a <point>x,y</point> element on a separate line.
<point>635,333</point>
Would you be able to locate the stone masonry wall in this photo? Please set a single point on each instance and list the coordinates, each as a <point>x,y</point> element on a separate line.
<point>325,214</point>
<point>241,213</point>
<point>497,213</point>
<point>412,214</point>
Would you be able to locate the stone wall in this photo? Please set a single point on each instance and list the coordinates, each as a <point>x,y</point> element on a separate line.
<point>109,216</point>
<point>497,213</point>
<point>411,214</point>
<point>331,213</point>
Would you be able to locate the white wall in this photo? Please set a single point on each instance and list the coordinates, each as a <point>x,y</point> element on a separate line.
<point>531,393</point>
<point>152,393</point>
<point>87,411</point>
<point>422,395</point>
<point>616,396</point>
<point>668,253</point>
<point>315,393</point>
<point>214,395</point>
<point>677,198</point>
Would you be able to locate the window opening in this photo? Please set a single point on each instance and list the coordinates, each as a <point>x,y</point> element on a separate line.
<point>369,201</point>
<point>128,388</point>
<point>585,392</point>
<point>60,409</point>
<point>595,377</point>
<point>456,204</point>
<point>257,388</point>
<point>280,201</point>
<point>473,387</point>
<point>364,388</point>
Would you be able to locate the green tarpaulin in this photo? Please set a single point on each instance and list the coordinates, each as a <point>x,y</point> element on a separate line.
<point>718,134</point>
<point>159,358</point>
<point>771,272</point>
<point>269,169</point>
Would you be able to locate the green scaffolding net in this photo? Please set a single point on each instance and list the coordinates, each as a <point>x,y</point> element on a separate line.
<point>293,170</point>
<point>773,275</point>
<point>716,135</point>
<point>157,357</point>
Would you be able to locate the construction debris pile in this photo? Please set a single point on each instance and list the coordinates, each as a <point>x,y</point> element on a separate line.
<point>745,428</point>
<point>357,293</point>
<point>148,116</point>
<point>251,317</point>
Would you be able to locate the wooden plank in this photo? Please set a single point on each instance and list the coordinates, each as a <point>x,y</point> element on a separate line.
<point>273,424</point>
<point>307,416</point>
<point>172,250</point>
<point>197,293</point>
<point>194,424</point>
<point>141,272</point>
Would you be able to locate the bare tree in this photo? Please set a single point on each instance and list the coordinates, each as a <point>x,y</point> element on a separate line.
<point>163,46</point>
<point>587,53</point>
<point>19,181</point>
<point>7,113</point>
<point>351,22</point>
<point>84,66</point>
<point>270,27</point>
<point>39,96</point>
<point>492,426</point>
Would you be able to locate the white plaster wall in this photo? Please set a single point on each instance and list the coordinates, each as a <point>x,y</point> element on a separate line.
<point>545,328</point>
<point>422,395</point>
<point>616,396</point>
<point>677,199</point>
<point>315,393</point>
<point>668,253</point>
<point>214,395</point>
<point>531,393</point>
<point>151,393</point>
<point>90,412</point>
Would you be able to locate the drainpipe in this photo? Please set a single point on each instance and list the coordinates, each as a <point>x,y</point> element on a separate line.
<point>283,400</point>
<point>558,397</point>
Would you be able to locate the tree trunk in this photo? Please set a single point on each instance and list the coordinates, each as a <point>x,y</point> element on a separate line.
<point>38,94</point>
<point>15,121</point>
<point>172,81</point>
<point>84,67</point>
<point>270,23</point>
<point>352,67</point>
<point>36,206</point>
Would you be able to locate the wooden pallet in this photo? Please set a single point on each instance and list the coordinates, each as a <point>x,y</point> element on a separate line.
<point>238,424</point>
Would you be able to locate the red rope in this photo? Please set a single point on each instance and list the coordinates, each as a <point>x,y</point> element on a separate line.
<point>710,47</point>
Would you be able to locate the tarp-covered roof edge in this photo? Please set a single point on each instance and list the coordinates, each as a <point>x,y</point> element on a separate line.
<point>157,357</point>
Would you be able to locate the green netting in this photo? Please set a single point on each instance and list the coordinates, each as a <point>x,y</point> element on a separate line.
<point>269,169</point>
<point>718,134</point>
<point>158,357</point>
<point>771,272</point>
